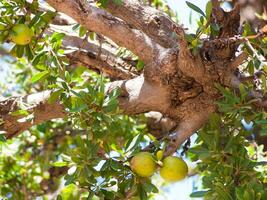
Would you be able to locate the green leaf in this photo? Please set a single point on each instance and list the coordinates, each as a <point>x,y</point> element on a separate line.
<point>60,164</point>
<point>198,194</point>
<point>142,193</point>
<point>115,165</point>
<point>243,91</point>
<point>40,75</point>
<point>103,3</point>
<point>20,113</point>
<point>2,138</point>
<point>82,31</point>
<point>251,68</point>
<point>57,37</point>
<point>19,51</point>
<point>215,29</point>
<point>105,166</point>
<point>190,37</point>
<point>149,187</point>
<point>59,197</point>
<point>133,142</point>
<point>208,9</point>
<point>37,58</point>
<point>140,65</point>
<point>68,192</point>
<point>54,96</point>
<point>195,8</point>
<point>200,151</point>
<point>75,27</point>
<point>67,76</point>
<point>262,122</point>
<point>29,52</point>
<point>48,16</point>
<point>92,36</point>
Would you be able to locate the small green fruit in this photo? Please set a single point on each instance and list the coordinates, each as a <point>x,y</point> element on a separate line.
<point>21,34</point>
<point>173,169</point>
<point>143,164</point>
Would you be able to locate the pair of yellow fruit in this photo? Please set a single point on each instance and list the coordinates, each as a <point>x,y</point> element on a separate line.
<point>172,169</point>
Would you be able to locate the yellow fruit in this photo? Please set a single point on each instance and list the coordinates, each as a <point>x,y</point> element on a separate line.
<point>21,34</point>
<point>173,169</point>
<point>159,154</point>
<point>143,164</point>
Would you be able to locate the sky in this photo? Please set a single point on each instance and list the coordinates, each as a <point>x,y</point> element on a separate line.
<point>184,11</point>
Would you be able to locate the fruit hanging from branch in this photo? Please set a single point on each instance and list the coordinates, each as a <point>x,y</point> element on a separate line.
<point>143,164</point>
<point>173,169</point>
<point>21,34</point>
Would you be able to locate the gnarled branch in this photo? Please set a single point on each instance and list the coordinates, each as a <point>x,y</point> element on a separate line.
<point>102,22</point>
<point>100,58</point>
<point>138,96</point>
<point>35,104</point>
<point>154,23</point>
<point>113,70</point>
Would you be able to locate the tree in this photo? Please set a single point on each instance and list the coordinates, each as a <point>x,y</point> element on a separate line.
<point>92,73</point>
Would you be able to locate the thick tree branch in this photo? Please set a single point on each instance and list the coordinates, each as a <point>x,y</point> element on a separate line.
<point>154,23</point>
<point>35,104</point>
<point>191,116</point>
<point>100,21</point>
<point>182,59</point>
<point>158,125</point>
<point>138,96</point>
<point>141,96</point>
<point>99,58</point>
<point>113,70</point>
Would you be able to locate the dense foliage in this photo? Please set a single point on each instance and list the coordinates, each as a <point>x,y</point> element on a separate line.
<point>87,154</point>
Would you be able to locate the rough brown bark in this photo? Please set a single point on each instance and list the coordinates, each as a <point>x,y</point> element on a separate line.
<point>115,71</point>
<point>101,58</point>
<point>138,96</point>
<point>100,21</point>
<point>36,104</point>
<point>154,23</point>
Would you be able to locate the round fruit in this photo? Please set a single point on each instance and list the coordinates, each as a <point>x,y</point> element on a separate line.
<point>143,164</point>
<point>173,169</point>
<point>159,154</point>
<point>21,34</point>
